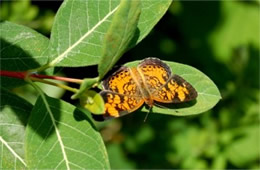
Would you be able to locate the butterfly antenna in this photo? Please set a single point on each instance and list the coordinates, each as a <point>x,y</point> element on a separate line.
<point>161,106</point>
<point>150,108</point>
<point>165,107</point>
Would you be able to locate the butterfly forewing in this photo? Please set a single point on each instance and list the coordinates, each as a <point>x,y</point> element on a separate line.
<point>155,73</point>
<point>121,82</point>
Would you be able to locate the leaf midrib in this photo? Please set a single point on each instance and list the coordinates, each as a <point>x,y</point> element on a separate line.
<point>56,130</point>
<point>63,55</point>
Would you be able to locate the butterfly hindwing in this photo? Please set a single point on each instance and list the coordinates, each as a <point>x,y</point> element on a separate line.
<point>176,90</point>
<point>117,105</point>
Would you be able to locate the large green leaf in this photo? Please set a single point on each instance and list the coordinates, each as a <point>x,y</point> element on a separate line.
<point>79,28</point>
<point>60,136</point>
<point>119,35</point>
<point>13,119</point>
<point>208,93</point>
<point>21,49</point>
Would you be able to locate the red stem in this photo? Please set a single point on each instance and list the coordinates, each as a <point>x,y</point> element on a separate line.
<point>21,75</point>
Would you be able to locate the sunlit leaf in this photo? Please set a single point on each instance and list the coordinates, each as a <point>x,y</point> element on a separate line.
<point>79,28</point>
<point>219,162</point>
<point>60,136</point>
<point>244,149</point>
<point>232,33</point>
<point>13,119</point>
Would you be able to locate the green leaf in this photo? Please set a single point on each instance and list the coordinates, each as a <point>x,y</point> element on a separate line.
<point>152,12</point>
<point>80,26</point>
<point>60,136</point>
<point>119,35</point>
<point>18,11</point>
<point>208,93</point>
<point>31,95</point>
<point>13,119</point>
<point>245,148</point>
<point>21,49</point>
<point>232,33</point>
<point>87,84</point>
<point>118,158</point>
<point>93,102</point>
<point>219,162</point>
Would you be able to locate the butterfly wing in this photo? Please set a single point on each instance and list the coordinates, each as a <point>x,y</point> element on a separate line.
<point>121,82</point>
<point>117,105</point>
<point>121,95</point>
<point>155,73</point>
<point>162,85</point>
<point>175,90</point>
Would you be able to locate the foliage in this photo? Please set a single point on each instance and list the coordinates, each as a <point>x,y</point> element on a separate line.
<point>54,131</point>
<point>25,13</point>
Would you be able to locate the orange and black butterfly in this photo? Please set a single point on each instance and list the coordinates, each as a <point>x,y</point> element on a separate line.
<point>151,81</point>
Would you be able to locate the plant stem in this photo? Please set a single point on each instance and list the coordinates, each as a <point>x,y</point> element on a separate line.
<point>22,75</point>
<point>39,78</point>
<point>55,84</point>
<point>19,75</point>
<point>71,80</point>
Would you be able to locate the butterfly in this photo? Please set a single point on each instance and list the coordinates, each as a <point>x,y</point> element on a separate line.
<point>152,81</point>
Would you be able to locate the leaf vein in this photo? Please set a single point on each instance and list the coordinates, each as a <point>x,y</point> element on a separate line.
<point>64,54</point>
<point>12,151</point>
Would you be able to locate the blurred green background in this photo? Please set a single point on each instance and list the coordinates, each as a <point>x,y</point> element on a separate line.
<point>221,39</point>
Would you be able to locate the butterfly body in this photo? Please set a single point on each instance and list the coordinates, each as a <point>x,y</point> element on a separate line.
<point>136,73</point>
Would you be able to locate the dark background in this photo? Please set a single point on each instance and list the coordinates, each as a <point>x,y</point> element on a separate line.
<point>220,38</point>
